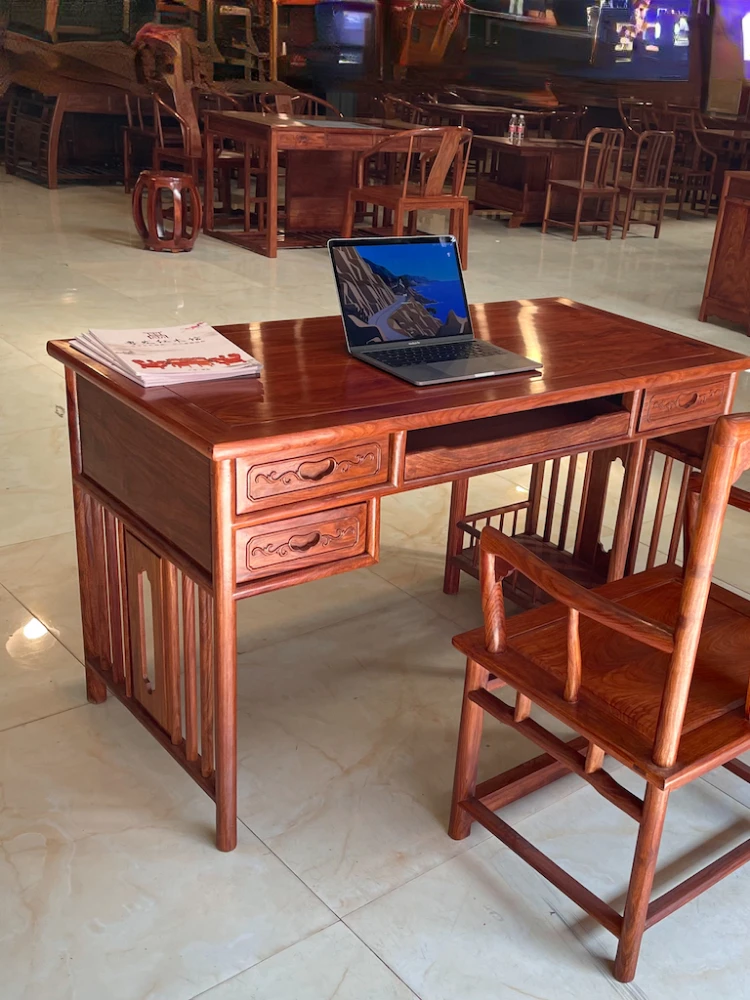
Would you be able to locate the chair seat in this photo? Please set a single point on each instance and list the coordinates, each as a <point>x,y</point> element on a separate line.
<point>588,186</point>
<point>389,195</point>
<point>623,680</point>
<point>628,185</point>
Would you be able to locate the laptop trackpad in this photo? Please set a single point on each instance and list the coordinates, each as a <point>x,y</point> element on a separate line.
<point>466,367</point>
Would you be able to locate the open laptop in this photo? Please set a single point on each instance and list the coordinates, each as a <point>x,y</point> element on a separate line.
<point>405,311</point>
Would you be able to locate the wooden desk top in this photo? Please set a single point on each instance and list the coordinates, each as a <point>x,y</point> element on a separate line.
<point>482,110</point>
<point>310,384</point>
<point>289,122</point>
<point>527,146</point>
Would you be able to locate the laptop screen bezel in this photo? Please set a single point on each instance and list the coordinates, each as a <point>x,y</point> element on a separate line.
<point>395,241</point>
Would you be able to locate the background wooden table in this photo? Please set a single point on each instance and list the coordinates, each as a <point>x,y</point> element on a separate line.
<point>515,175</point>
<point>320,157</point>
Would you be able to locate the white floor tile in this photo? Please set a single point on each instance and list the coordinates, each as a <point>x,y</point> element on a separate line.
<point>330,965</point>
<point>110,881</point>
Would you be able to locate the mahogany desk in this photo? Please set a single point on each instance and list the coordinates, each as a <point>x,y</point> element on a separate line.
<point>320,169</point>
<point>218,492</point>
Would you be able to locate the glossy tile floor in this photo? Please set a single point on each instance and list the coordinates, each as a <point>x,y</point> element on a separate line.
<point>345,883</point>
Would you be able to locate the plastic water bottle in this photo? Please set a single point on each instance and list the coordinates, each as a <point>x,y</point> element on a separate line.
<point>513,128</point>
<point>521,129</point>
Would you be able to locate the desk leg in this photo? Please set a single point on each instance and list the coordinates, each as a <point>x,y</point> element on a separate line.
<point>225,639</point>
<point>208,192</point>
<point>92,580</point>
<point>272,214</point>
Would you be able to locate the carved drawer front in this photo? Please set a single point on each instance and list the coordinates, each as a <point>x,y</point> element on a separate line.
<point>682,404</point>
<point>296,477</point>
<point>298,542</point>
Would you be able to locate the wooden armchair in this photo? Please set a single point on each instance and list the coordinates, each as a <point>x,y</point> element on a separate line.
<point>600,173</point>
<point>648,179</point>
<point>667,696</point>
<point>431,154</point>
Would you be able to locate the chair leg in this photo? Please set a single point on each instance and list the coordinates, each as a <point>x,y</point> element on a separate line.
<point>347,225</point>
<point>459,502</point>
<point>467,754</point>
<point>579,210</point>
<point>612,210</point>
<point>709,190</point>
<point>660,215</point>
<point>412,224</point>
<point>547,204</point>
<point>629,205</point>
<point>641,882</point>
<point>398,221</point>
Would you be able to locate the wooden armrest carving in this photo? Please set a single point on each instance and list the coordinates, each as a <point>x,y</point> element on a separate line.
<point>513,556</point>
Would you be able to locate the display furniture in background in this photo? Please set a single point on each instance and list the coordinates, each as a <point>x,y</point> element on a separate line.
<point>727,290</point>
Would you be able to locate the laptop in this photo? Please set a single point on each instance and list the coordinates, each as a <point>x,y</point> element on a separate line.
<point>405,311</point>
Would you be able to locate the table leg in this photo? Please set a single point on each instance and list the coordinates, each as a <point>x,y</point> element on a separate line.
<point>272,234</point>
<point>208,194</point>
<point>92,580</point>
<point>225,660</point>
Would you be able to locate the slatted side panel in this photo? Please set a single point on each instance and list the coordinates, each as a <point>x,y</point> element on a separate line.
<point>155,639</point>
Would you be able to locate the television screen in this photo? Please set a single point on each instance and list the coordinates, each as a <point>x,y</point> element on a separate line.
<point>622,40</point>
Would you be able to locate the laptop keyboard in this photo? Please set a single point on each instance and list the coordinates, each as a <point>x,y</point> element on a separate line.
<point>408,357</point>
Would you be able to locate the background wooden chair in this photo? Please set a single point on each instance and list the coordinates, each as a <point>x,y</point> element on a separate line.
<point>600,172</point>
<point>299,105</point>
<point>649,177</point>
<point>430,154</point>
<point>693,167</point>
<point>667,696</point>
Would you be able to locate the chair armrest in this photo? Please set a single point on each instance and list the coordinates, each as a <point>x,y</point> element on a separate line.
<point>513,556</point>
<point>738,497</point>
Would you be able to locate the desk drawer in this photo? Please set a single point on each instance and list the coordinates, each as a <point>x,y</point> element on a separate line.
<point>682,404</point>
<point>299,542</point>
<point>296,477</point>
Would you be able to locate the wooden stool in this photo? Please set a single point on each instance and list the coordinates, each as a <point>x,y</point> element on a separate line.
<point>185,214</point>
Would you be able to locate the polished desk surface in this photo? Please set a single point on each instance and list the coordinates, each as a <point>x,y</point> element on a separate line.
<point>282,123</point>
<point>310,383</point>
<point>527,146</point>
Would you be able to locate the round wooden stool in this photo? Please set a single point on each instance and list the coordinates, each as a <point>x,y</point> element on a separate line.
<point>173,226</point>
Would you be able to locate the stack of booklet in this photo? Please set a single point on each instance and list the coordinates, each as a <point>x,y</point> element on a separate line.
<point>169,355</point>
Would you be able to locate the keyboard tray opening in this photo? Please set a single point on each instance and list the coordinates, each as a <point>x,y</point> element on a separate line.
<point>512,439</point>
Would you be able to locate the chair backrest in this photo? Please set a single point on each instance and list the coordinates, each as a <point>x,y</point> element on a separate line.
<point>652,164</point>
<point>690,151</point>
<point>438,150</point>
<point>300,105</point>
<point>405,111</point>
<point>728,457</point>
<point>602,157</point>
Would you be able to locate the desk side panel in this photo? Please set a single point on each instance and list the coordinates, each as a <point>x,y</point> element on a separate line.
<point>157,477</point>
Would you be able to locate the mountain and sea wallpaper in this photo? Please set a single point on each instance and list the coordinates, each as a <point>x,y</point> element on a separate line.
<point>400,292</point>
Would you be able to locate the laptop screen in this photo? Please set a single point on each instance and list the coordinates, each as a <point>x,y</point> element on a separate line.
<point>394,290</point>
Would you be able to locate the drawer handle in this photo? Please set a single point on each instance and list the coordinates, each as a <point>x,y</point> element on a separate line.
<point>690,401</point>
<point>313,472</point>
<point>303,543</point>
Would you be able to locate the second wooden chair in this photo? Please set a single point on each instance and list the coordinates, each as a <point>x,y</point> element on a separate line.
<point>430,155</point>
<point>598,182</point>
<point>651,669</point>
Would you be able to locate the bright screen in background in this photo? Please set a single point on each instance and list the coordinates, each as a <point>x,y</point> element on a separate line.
<point>732,19</point>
